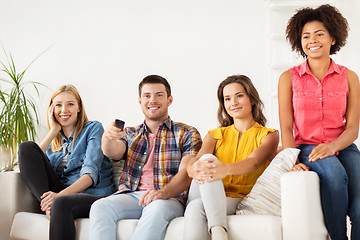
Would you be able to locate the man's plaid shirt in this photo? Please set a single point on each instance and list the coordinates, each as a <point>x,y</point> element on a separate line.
<point>173,142</point>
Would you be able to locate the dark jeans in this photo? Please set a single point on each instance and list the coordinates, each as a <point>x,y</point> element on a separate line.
<point>37,173</point>
<point>339,189</point>
<point>65,210</point>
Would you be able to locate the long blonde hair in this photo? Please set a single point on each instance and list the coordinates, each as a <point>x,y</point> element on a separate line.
<point>57,142</point>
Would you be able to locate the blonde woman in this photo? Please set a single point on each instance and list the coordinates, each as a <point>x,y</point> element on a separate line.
<point>68,161</point>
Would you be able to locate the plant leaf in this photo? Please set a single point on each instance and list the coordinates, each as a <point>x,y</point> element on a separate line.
<point>19,117</point>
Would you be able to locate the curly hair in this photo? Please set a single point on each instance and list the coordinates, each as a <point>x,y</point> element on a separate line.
<point>257,105</point>
<point>333,20</point>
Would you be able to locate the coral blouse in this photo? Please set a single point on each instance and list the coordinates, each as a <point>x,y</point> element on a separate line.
<point>229,149</point>
<point>319,107</point>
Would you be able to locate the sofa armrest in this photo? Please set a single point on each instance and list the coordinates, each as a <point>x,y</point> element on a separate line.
<point>302,216</point>
<point>22,197</point>
<point>15,197</point>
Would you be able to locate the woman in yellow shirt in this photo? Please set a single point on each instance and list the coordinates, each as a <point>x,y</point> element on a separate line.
<point>230,160</point>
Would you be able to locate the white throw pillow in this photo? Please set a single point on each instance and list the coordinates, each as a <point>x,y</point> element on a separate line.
<point>265,197</point>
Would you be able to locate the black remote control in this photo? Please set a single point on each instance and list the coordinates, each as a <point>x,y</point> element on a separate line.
<point>119,124</point>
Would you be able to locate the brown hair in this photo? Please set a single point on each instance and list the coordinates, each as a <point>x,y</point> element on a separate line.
<point>257,105</point>
<point>57,142</point>
<point>333,20</point>
<point>151,79</point>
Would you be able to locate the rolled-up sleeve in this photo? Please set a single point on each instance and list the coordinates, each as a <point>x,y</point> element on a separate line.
<point>191,142</point>
<point>94,155</point>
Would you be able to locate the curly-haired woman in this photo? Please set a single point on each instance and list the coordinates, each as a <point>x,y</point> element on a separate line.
<point>319,114</point>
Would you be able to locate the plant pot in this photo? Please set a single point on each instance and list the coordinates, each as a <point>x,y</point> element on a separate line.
<point>5,157</point>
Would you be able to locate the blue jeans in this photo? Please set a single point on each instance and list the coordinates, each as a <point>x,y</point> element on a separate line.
<point>153,219</point>
<point>339,189</point>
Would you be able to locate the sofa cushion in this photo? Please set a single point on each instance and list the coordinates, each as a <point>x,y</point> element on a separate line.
<point>265,197</point>
<point>33,226</point>
<point>28,225</point>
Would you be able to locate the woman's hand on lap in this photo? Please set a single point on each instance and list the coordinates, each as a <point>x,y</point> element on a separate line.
<point>321,151</point>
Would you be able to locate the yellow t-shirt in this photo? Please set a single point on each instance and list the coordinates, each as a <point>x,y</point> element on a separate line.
<point>228,151</point>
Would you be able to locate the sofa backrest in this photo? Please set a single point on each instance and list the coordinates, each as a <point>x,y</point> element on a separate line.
<point>117,168</point>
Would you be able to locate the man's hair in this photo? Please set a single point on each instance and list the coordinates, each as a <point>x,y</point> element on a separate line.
<point>333,20</point>
<point>151,79</point>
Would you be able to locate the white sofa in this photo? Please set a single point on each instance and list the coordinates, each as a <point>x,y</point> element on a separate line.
<point>301,219</point>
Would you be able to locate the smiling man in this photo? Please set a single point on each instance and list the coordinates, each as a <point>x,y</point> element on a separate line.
<point>153,181</point>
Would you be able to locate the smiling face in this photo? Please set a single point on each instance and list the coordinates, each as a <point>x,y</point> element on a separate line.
<point>66,110</point>
<point>316,40</point>
<point>154,102</point>
<point>237,103</point>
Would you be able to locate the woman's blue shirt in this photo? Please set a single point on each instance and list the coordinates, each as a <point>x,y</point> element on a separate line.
<point>84,157</point>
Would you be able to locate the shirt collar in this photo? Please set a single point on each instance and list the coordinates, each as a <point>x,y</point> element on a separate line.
<point>256,125</point>
<point>304,68</point>
<point>167,123</point>
<point>65,139</point>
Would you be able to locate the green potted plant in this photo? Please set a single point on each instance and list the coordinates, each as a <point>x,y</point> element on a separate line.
<point>19,121</point>
<point>19,117</point>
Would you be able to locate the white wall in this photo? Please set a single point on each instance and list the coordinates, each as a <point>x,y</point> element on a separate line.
<point>106,47</point>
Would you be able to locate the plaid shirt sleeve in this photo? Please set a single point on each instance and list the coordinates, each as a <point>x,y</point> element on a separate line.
<point>191,142</point>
